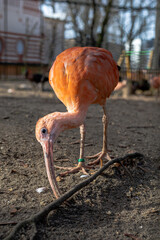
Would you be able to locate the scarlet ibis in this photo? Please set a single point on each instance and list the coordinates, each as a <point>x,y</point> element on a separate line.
<point>80,76</point>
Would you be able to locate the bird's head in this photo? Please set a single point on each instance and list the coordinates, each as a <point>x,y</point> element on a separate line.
<point>47,130</point>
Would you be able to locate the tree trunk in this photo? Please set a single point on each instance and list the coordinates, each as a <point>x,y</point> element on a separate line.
<point>93,42</point>
<point>156,53</point>
<point>104,24</point>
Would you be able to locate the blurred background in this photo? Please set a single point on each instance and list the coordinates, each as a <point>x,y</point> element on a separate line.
<point>34,32</point>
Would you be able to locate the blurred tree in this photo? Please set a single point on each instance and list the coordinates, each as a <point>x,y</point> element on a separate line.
<point>89,19</point>
<point>107,23</point>
<point>90,22</point>
<point>156,53</point>
<point>134,22</point>
<point>104,23</point>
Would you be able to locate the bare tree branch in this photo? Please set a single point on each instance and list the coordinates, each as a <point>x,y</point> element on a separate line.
<point>105,22</point>
<point>123,7</point>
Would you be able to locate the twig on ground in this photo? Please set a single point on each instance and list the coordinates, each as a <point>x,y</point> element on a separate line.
<point>17,172</point>
<point>126,170</point>
<point>34,232</point>
<point>7,223</point>
<point>53,205</point>
<point>75,142</point>
<point>140,127</point>
<point>62,160</point>
<point>144,169</point>
<point>131,236</point>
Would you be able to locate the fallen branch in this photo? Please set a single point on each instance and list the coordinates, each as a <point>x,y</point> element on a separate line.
<point>53,205</point>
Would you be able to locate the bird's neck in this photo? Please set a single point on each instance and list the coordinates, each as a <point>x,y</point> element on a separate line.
<point>68,120</point>
<point>73,119</point>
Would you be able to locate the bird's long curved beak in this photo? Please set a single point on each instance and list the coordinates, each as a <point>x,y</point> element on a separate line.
<point>48,156</point>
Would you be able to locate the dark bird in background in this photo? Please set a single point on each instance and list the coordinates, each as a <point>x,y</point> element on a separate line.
<point>36,79</point>
<point>142,85</point>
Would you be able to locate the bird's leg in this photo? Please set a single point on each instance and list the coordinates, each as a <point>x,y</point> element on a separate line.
<point>82,139</point>
<point>105,126</point>
<point>103,153</point>
<point>81,164</point>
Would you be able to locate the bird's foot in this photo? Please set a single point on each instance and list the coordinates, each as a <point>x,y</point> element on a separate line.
<point>100,156</point>
<point>80,167</point>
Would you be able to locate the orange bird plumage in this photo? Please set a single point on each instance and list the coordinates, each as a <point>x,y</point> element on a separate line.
<point>80,76</point>
<point>155,82</point>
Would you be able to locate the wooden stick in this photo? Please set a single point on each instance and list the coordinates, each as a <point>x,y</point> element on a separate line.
<point>53,205</point>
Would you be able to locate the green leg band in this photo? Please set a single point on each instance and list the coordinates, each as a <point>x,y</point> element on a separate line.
<point>81,160</point>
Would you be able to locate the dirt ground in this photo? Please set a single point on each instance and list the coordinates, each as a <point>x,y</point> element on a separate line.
<point>109,208</point>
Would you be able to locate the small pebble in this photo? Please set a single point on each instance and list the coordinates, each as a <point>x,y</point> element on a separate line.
<point>109,213</point>
<point>23,86</point>
<point>83,176</point>
<point>41,189</point>
<point>10,90</point>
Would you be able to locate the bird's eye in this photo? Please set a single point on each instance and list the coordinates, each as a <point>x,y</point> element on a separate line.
<point>43,130</point>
